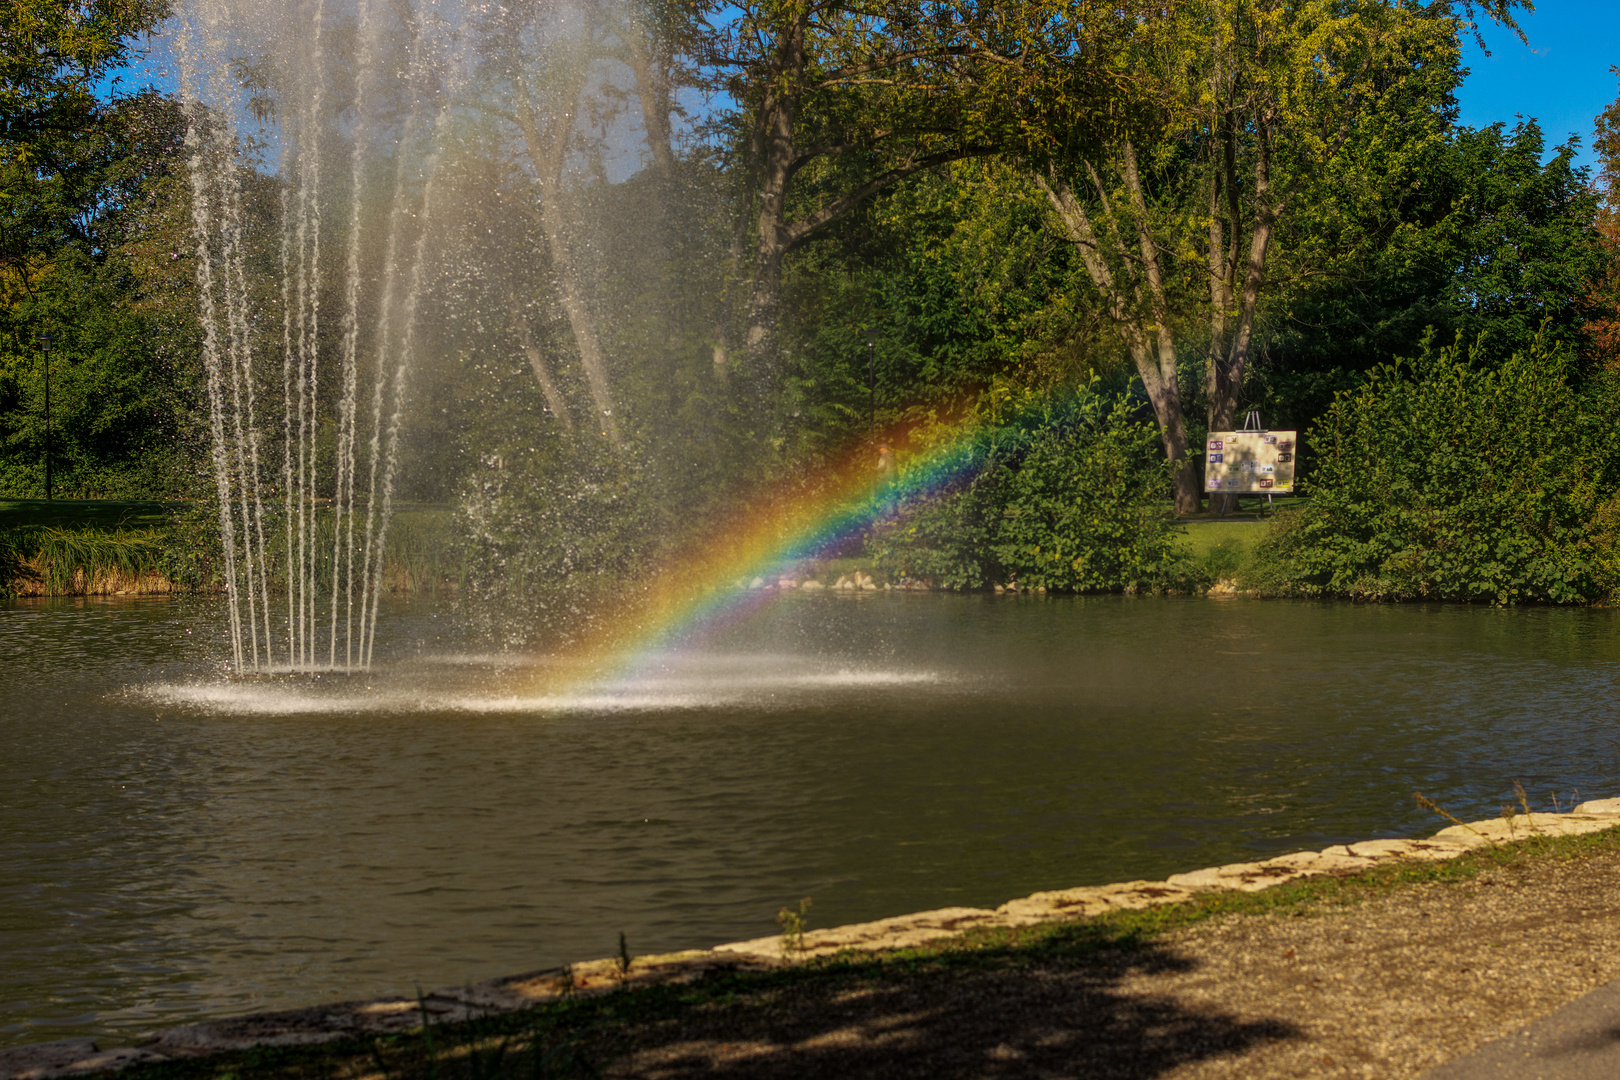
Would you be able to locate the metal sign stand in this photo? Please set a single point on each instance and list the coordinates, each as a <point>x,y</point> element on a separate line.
<point>1252,423</point>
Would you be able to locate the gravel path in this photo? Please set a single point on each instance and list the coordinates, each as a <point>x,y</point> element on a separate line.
<point>1387,989</point>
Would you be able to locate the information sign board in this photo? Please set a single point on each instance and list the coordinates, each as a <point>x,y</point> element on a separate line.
<point>1251,462</point>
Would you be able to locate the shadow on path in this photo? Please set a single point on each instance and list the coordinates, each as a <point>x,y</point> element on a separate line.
<point>1068,1016</point>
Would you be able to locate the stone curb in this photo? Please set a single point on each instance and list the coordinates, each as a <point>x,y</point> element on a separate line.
<point>330,1023</point>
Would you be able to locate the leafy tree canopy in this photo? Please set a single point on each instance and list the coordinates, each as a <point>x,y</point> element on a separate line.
<point>53,55</point>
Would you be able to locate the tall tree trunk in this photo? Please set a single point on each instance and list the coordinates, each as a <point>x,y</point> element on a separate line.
<point>548,150</point>
<point>1222,259</point>
<point>649,62</point>
<point>779,111</point>
<point>1224,408</point>
<point>1232,310</point>
<point>556,404</point>
<point>1147,338</point>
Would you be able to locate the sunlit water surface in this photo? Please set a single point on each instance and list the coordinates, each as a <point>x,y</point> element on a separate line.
<point>175,844</point>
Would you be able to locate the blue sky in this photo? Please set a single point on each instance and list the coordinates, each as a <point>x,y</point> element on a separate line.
<point>1561,78</point>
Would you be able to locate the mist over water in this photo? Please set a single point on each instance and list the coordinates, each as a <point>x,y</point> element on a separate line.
<point>504,684</point>
<point>387,200</point>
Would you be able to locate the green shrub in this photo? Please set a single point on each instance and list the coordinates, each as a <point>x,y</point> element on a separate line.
<point>1072,499</point>
<point>193,553</point>
<point>947,539</point>
<point>1440,478</point>
<point>549,543</point>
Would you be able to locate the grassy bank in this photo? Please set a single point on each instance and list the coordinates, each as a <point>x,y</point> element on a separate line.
<point>80,514</point>
<point>76,548</point>
<point>1210,551</point>
<point>580,1036</point>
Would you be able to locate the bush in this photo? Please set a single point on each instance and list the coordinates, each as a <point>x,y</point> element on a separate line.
<point>1073,499</point>
<point>1444,479</point>
<point>551,542</point>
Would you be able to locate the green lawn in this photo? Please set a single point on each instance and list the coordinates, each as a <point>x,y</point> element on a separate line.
<point>1239,532</point>
<point>85,513</point>
<point>111,513</point>
<point>1202,537</point>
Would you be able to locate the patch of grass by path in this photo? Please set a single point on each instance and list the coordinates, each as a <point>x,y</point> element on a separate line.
<point>1220,551</point>
<point>580,1036</point>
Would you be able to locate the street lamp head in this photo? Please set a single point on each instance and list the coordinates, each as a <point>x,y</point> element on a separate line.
<point>45,339</point>
<point>871,337</point>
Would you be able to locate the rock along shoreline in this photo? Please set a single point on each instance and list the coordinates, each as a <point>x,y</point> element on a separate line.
<point>382,1016</point>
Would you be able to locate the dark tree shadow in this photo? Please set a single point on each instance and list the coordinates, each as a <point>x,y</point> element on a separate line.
<point>1062,1016</point>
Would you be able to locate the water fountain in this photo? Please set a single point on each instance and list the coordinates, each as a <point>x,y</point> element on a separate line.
<point>327,618</point>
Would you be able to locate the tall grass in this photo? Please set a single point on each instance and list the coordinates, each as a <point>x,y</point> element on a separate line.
<point>422,556</point>
<point>49,561</point>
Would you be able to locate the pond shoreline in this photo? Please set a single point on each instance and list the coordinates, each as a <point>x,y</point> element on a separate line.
<point>391,1016</point>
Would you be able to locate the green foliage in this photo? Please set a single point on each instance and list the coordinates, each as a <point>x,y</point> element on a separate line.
<point>15,551</point>
<point>550,538</point>
<point>794,924</point>
<point>1070,499</point>
<point>1445,478</point>
<point>52,55</point>
<point>1222,561</point>
<point>1463,231</point>
<point>1406,222</point>
<point>194,554</point>
<point>89,252</point>
<point>964,289</point>
<point>60,548</point>
<point>116,411</point>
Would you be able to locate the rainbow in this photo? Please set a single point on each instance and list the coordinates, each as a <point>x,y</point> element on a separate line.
<point>803,518</point>
<point>806,516</point>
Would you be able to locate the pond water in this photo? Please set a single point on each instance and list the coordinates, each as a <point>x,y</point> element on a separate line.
<point>175,844</point>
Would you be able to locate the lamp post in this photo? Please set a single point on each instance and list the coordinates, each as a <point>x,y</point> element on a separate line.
<point>45,341</point>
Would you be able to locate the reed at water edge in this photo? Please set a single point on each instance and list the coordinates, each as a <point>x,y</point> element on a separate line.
<point>183,556</point>
<point>55,561</point>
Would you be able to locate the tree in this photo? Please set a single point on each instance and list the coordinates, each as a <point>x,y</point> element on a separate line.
<point>91,258</point>
<point>52,57</point>
<point>1604,292</point>
<point>540,69</point>
<point>1239,104</point>
<point>836,103</point>
<point>1469,235</point>
<point>1418,494</point>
